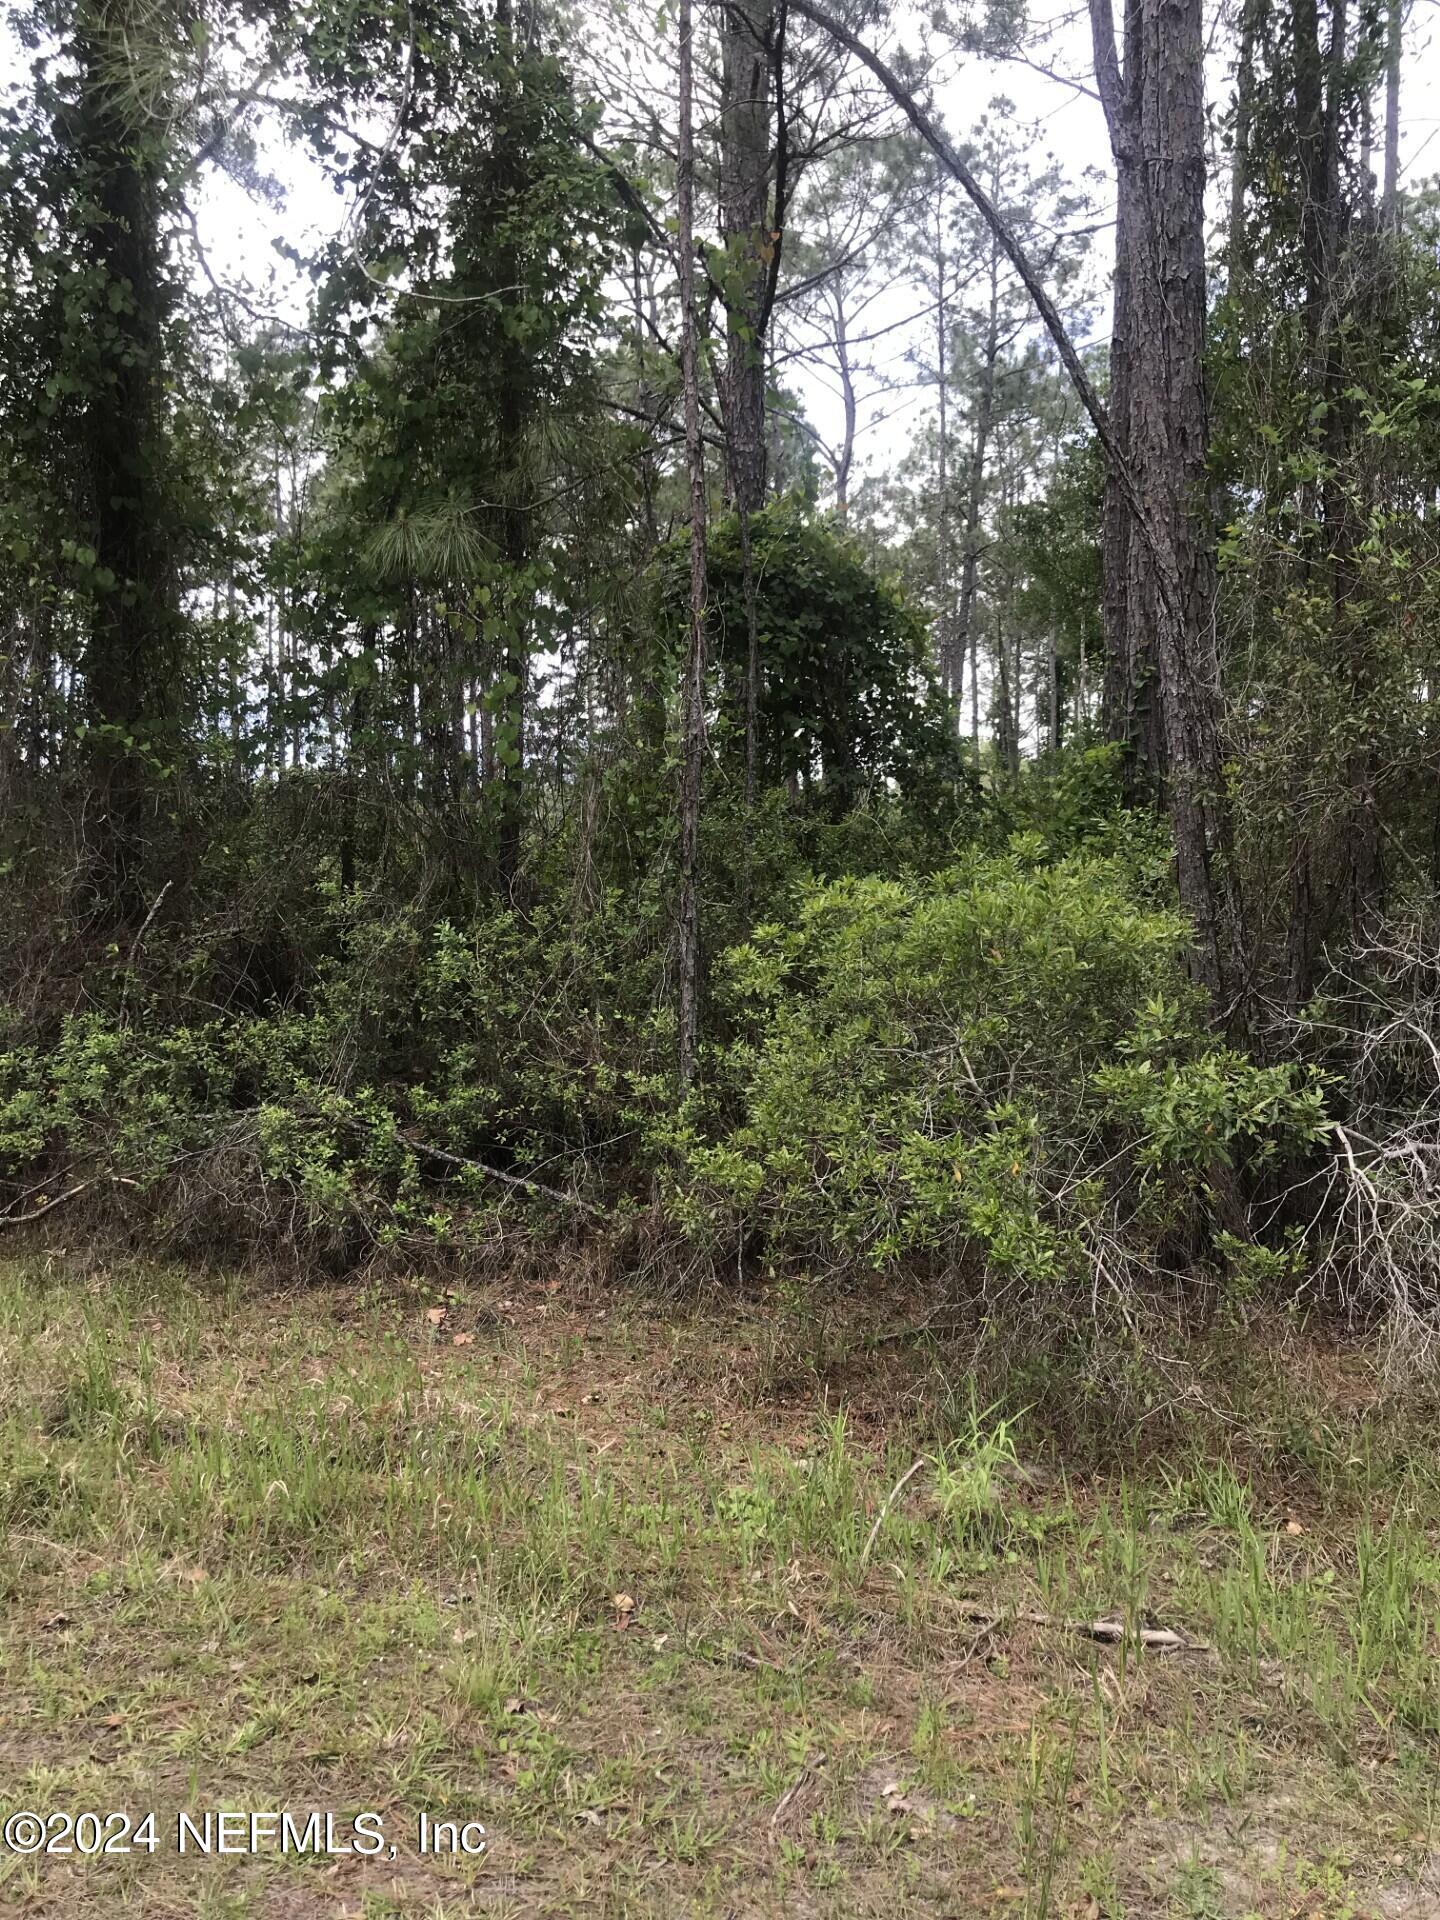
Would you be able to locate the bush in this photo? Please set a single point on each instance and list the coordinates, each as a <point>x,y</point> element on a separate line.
<point>1001,1068</point>
<point>1372,1210</point>
<point>998,1068</point>
<point>342,1119</point>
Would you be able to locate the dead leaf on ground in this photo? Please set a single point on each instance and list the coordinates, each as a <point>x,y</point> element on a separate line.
<point>436,1315</point>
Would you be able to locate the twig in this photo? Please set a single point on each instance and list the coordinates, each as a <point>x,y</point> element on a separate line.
<point>912,1330</point>
<point>793,1792</point>
<point>135,946</point>
<point>49,1206</point>
<point>890,1499</point>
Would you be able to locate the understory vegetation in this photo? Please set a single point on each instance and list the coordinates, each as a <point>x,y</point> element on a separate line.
<point>487,763</point>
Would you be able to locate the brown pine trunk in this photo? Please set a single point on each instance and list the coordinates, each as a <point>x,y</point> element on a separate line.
<point>949,646</point>
<point>1239,251</point>
<point>1054,710</point>
<point>1160,464</point>
<point>1322,96</point>
<point>515,532</point>
<point>1163,672</point>
<point>745,163</point>
<point>1130,589</point>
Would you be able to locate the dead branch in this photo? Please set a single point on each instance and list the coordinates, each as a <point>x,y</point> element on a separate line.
<point>447,1159</point>
<point>1107,1632</point>
<point>889,1501</point>
<point>954,165</point>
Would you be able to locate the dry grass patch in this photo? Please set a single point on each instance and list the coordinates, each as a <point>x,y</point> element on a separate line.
<point>635,1588</point>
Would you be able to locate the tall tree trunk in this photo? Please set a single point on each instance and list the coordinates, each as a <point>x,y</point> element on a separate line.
<point>846,458</point>
<point>1007,756</point>
<point>1157,467</point>
<point>1394,42</point>
<point>752,681</point>
<point>979,453</point>
<point>515,520</point>
<point>1324,96</point>
<point>133,655</point>
<point>692,691</point>
<point>746,29</point>
<point>1169,711</point>
<point>1054,707</point>
<point>1130,590</point>
<point>975,693</point>
<point>1238,249</point>
<point>358,762</point>
<point>950,648</point>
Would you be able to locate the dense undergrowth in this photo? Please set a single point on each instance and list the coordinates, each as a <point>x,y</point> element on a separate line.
<point>973,1054</point>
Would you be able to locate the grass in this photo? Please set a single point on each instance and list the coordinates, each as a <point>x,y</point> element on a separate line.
<point>636,1590</point>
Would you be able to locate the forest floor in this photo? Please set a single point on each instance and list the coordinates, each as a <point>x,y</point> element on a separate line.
<point>604,1575</point>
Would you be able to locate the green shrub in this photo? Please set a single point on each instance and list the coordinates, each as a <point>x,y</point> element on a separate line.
<point>1002,1066</point>
<point>528,1044</point>
<point>998,1067</point>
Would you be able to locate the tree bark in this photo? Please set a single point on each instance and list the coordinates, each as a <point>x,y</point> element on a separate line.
<point>1238,243</point>
<point>1394,42</point>
<point>846,457</point>
<point>1163,670</point>
<point>950,649</point>
<point>133,657</point>
<point>979,451</point>
<point>515,531</point>
<point>692,691</point>
<point>1323,95</point>
<point>746,30</point>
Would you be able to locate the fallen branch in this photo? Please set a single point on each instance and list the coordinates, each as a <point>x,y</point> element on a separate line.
<point>13,1218</point>
<point>459,1160</point>
<point>448,1159</point>
<point>1108,1632</point>
<point>44,1207</point>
